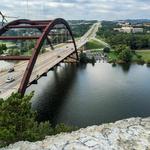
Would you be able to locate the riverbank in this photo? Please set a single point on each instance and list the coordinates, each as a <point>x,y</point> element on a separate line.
<point>140,57</point>
<point>133,133</point>
<point>145,54</point>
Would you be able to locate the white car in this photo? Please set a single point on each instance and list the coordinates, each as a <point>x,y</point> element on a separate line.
<point>9,80</point>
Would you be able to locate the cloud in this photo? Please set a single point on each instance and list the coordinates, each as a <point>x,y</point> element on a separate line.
<point>77,9</point>
<point>60,4</point>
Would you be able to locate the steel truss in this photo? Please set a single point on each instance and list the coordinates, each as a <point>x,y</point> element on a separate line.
<point>44,26</point>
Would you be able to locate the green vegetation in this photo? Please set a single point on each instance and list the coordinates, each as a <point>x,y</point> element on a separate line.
<point>96,50</point>
<point>3,48</point>
<point>148,63</point>
<point>8,44</point>
<point>145,54</point>
<point>19,48</point>
<point>106,50</point>
<point>112,56</point>
<point>17,121</point>
<point>114,38</point>
<point>140,57</point>
<point>122,54</point>
<point>125,44</point>
<point>94,44</point>
<point>125,55</point>
<point>26,47</point>
<point>84,59</point>
<point>80,27</point>
<point>14,52</point>
<point>80,30</point>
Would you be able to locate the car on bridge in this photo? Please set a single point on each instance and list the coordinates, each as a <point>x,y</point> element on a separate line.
<point>11,70</point>
<point>10,79</point>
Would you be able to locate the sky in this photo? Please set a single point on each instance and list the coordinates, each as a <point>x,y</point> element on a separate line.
<point>77,9</point>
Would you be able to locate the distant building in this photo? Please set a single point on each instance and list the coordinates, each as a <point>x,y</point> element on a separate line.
<point>129,29</point>
<point>126,29</point>
<point>138,25</point>
<point>117,29</point>
<point>137,30</point>
<point>147,24</point>
<point>124,24</point>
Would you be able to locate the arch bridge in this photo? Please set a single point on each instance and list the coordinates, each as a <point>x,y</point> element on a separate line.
<point>44,33</point>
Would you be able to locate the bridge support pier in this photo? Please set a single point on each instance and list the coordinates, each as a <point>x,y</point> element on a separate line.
<point>71,59</point>
<point>44,74</point>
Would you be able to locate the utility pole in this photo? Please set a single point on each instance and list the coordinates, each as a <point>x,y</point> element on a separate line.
<point>3,18</point>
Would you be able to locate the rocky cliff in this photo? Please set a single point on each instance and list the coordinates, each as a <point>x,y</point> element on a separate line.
<point>127,134</point>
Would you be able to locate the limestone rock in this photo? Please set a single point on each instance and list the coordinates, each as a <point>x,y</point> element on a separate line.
<point>127,134</point>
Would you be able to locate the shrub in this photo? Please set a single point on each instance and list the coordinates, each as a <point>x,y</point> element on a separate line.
<point>83,58</point>
<point>3,48</point>
<point>43,50</point>
<point>106,50</point>
<point>92,60</point>
<point>125,55</point>
<point>139,56</point>
<point>17,121</point>
<point>112,61</point>
<point>119,48</point>
<point>148,63</point>
<point>14,52</point>
<point>140,62</point>
<point>114,64</point>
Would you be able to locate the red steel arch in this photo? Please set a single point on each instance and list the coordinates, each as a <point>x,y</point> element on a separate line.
<point>45,26</point>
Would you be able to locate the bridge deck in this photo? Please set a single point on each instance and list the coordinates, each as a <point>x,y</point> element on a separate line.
<point>44,62</point>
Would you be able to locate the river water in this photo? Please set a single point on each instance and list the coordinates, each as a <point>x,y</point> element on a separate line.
<point>83,95</point>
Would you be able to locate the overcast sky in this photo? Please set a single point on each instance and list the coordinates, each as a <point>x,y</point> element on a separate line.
<point>77,9</point>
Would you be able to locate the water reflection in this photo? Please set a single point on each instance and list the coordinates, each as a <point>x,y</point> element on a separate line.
<point>125,67</point>
<point>82,66</point>
<point>83,95</point>
<point>55,94</point>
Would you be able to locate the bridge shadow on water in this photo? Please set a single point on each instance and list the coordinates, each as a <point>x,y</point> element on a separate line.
<point>87,95</point>
<point>51,92</point>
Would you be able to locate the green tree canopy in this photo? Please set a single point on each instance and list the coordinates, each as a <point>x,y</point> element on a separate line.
<point>17,121</point>
<point>125,55</point>
<point>3,48</point>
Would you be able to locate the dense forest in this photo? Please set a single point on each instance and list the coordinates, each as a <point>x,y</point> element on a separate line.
<point>80,27</point>
<point>133,40</point>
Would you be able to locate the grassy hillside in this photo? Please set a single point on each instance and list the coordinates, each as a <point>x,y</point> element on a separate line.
<point>145,54</point>
<point>94,44</point>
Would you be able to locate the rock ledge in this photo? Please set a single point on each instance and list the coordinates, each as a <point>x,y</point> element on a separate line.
<point>127,134</point>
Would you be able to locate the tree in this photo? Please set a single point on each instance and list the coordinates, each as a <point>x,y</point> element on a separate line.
<point>17,121</point>
<point>125,55</point>
<point>83,58</point>
<point>119,48</point>
<point>3,48</point>
<point>106,50</point>
<point>14,52</point>
<point>133,40</point>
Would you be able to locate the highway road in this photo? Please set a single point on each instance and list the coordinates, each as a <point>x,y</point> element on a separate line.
<point>44,62</point>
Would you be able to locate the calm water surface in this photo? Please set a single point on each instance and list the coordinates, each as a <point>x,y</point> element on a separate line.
<point>87,95</point>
